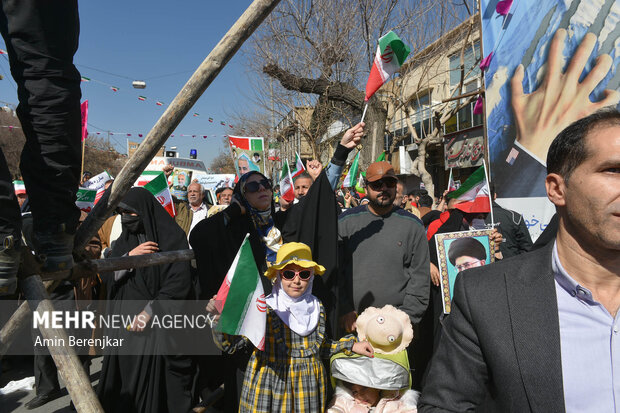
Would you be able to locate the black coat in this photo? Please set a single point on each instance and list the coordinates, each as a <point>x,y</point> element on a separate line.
<point>147,380</point>
<point>500,348</point>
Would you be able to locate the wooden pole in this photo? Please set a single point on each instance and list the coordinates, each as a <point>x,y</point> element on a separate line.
<point>83,153</point>
<point>180,106</point>
<point>67,362</point>
<point>85,269</point>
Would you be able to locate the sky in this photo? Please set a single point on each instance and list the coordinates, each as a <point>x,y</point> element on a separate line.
<point>145,40</point>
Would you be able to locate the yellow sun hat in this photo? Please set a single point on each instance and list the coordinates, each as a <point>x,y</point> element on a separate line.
<point>294,253</point>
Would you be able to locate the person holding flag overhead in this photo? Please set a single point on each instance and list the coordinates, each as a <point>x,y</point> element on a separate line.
<point>286,374</point>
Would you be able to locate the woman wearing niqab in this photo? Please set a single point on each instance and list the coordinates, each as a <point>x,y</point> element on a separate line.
<point>146,380</point>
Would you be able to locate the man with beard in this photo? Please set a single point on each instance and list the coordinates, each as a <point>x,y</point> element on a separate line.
<point>386,258</point>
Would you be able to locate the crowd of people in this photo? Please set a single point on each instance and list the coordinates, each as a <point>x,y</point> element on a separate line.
<point>328,258</point>
<point>353,293</point>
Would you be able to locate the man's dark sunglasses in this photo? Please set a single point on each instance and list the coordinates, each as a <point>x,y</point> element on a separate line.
<point>377,185</point>
<point>254,186</point>
<point>290,274</point>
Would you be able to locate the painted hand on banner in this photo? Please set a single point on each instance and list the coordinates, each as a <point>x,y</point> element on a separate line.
<point>353,136</point>
<point>561,99</point>
<point>314,168</point>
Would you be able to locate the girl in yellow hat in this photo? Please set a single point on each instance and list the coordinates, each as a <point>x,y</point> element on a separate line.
<point>288,376</point>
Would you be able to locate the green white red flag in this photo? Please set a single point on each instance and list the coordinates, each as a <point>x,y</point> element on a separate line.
<point>299,166</point>
<point>85,199</point>
<point>287,190</point>
<point>242,299</point>
<point>354,172</point>
<point>155,182</point>
<point>390,56</point>
<point>451,183</point>
<point>19,187</point>
<point>473,195</point>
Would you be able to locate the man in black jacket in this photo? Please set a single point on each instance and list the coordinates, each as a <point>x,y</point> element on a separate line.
<point>517,238</point>
<point>539,332</point>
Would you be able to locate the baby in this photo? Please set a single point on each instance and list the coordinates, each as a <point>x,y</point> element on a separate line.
<point>379,384</point>
<point>355,398</point>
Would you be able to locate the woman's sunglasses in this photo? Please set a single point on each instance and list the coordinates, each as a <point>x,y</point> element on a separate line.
<point>254,186</point>
<point>290,274</point>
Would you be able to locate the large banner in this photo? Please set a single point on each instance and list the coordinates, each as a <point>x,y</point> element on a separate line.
<point>541,78</point>
<point>248,154</point>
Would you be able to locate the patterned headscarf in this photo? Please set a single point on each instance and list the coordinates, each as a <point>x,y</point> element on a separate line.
<point>262,220</point>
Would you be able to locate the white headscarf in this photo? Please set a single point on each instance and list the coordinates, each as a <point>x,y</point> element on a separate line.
<point>300,314</point>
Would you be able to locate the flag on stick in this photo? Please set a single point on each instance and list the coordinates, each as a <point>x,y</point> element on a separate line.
<point>473,195</point>
<point>451,183</point>
<point>244,310</point>
<point>84,110</point>
<point>351,179</point>
<point>155,182</point>
<point>299,166</point>
<point>287,190</point>
<point>391,54</point>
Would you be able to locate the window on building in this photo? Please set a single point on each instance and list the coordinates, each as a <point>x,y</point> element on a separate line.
<point>471,56</point>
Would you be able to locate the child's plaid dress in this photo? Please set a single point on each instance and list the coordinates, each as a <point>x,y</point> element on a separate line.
<point>289,375</point>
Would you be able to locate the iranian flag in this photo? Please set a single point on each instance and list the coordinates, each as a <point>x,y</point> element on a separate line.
<point>451,183</point>
<point>159,103</point>
<point>354,171</point>
<point>142,98</point>
<point>242,299</point>
<point>473,195</point>
<point>286,183</point>
<point>391,54</point>
<point>85,199</point>
<point>155,182</point>
<point>299,166</point>
<point>114,88</point>
<point>19,187</point>
<point>85,79</point>
<point>247,144</point>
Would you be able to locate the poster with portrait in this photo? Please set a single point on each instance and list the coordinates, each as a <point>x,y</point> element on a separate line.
<point>248,154</point>
<point>181,178</point>
<point>543,73</point>
<point>458,251</point>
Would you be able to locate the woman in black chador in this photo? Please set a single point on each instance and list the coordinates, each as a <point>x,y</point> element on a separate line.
<point>146,380</point>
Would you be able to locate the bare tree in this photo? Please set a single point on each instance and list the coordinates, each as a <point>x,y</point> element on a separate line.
<point>423,72</point>
<point>318,53</point>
